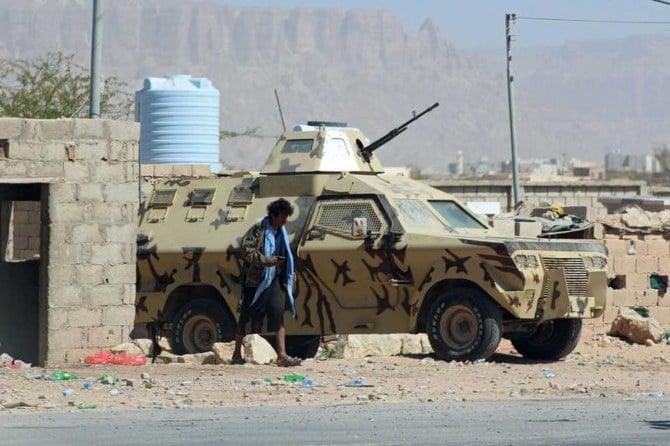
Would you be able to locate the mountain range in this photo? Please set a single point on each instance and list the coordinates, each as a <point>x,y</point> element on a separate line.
<point>578,100</point>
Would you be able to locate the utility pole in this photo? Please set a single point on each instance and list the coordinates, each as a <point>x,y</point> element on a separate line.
<point>510,101</point>
<point>96,59</point>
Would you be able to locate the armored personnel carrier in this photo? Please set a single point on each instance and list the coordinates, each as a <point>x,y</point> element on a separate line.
<point>374,254</point>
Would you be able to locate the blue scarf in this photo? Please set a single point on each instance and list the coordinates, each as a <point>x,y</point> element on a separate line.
<point>271,241</point>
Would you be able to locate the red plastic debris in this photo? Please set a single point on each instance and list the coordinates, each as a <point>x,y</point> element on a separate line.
<point>122,358</point>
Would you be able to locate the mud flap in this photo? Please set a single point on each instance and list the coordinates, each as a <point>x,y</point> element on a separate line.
<point>557,299</point>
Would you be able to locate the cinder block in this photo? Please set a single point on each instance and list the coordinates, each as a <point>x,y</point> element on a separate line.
<point>57,318</point>
<point>640,248</point>
<point>661,314</point>
<point>647,298</point>
<point>147,170</point>
<point>91,192</point>
<point>122,233</point>
<point>659,248</point>
<point>10,128</point>
<point>54,129</point>
<point>87,233</point>
<point>119,315</point>
<point>13,169</point>
<point>67,296</point>
<point>105,295</point>
<point>65,338</point>
<point>120,274</point>
<point>624,298</point>
<point>66,212</point>
<point>109,254</point>
<point>85,317</point>
<point>104,337</point>
<point>45,169</point>
<point>76,171</point>
<point>60,276</point>
<point>616,246</point>
<point>609,297</point>
<point>624,264</point>
<point>88,129</point>
<point>108,173</point>
<point>637,281</point>
<point>121,192</point>
<point>162,170</point>
<point>646,264</point>
<point>62,192</point>
<point>182,170</point>
<point>87,274</point>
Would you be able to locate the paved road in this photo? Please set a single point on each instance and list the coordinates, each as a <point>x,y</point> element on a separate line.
<point>556,422</point>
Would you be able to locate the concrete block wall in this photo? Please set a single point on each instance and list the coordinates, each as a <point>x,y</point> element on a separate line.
<point>87,280</point>
<point>633,260</point>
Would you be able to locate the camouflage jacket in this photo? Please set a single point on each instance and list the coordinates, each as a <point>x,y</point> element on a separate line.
<point>254,261</point>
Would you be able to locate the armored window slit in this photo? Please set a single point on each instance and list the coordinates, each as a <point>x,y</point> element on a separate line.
<point>338,215</point>
<point>201,197</point>
<point>162,198</point>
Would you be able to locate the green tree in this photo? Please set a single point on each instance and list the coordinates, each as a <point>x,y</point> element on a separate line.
<point>55,86</point>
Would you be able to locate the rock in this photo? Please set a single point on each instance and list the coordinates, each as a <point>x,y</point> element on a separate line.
<point>197,358</point>
<point>410,345</point>
<point>144,345</point>
<point>127,347</point>
<point>630,325</point>
<point>222,351</point>
<point>360,346</point>
<point>257,350</point>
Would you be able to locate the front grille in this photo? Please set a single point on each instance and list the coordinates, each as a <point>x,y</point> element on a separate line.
<point>574,272</point>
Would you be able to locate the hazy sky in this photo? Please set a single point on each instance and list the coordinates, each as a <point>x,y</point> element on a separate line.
<point>481,23</point>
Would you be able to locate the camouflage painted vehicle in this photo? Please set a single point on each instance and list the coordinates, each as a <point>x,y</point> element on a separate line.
<point>374,254</point>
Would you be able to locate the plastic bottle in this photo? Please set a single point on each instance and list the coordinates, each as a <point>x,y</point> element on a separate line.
<point>358,382</point>
<point>67,392</point>
<point>86,406</point>
<point>549,374</point>
<point>86,385</point>
<point>63,376</point>
<point>293,378</point>
<point>307,383</point>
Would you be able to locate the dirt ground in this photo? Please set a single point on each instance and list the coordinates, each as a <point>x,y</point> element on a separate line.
<point>600,367</point>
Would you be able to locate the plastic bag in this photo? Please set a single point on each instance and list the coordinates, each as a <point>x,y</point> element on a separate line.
<point>122,358</point>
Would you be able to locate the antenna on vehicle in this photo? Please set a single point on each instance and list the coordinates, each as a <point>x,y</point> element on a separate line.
<point>281,115</point>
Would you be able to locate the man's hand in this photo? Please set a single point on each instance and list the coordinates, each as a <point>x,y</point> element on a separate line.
<point>274,261</point>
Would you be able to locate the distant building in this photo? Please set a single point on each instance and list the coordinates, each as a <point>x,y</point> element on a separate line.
<point>616,161</point>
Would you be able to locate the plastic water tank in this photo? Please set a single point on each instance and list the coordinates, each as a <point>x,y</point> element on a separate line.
<point>179,121</point>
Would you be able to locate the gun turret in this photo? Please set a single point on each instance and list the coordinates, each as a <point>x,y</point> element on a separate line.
<point>366,151</point>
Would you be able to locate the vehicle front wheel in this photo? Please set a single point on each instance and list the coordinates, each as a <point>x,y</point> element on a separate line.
<point>551,340</point>
<point>199,324</point>
<point>464,324</point>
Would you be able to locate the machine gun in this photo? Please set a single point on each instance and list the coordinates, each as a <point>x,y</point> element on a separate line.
<point>366,151</point>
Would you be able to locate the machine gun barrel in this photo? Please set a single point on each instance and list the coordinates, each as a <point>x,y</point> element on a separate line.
<point>367,150</point>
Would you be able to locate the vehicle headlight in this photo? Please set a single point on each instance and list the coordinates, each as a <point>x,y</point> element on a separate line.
<point>526,261</point>
<point>595,262</point>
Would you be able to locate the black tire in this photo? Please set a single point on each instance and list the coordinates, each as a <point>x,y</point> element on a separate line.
<point>299,346</point>
<point>199,324</point>
<point>551,340</point>
<point>464,324</point>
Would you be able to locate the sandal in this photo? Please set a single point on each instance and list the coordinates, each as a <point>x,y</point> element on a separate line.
<point>289,361</point>
<point>238,361</point>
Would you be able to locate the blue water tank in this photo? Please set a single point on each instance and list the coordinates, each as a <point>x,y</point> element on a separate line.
<point>179,121</point>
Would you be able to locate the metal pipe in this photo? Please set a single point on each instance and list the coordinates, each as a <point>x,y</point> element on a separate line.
<point>510,102</point>
<point>96,59</point>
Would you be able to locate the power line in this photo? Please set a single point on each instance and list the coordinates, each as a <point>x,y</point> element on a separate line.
<point>628,22</point>
<point>661,1</point>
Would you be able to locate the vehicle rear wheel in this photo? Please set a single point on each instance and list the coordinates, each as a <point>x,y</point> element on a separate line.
<point>199,324</point>
<point>551,340</point>
<point>463,324</point>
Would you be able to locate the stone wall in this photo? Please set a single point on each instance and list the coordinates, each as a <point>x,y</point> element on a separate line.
<point>638,263</point>
<point>538,194</point>
<point>87,173</point>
